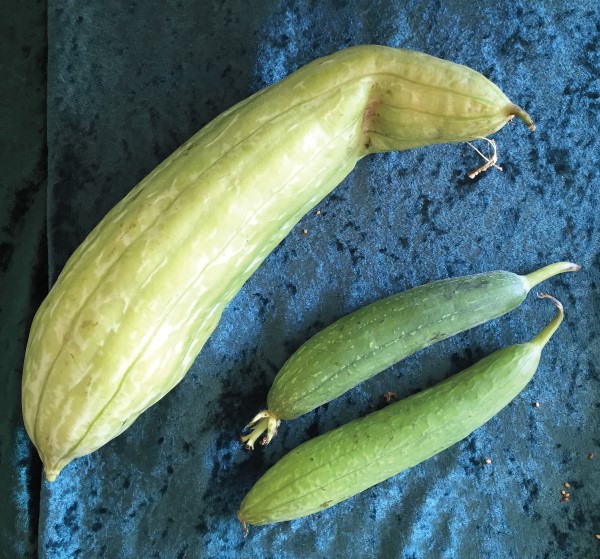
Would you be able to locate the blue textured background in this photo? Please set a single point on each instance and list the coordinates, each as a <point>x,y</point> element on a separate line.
<point>127,82</point>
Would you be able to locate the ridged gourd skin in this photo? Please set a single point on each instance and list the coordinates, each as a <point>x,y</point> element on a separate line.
<point>140,296</point>
<point>348,460</point>
<point>375,337</point>
<point>369,340</point>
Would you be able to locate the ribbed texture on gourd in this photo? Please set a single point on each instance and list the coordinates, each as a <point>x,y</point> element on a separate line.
<point>369,340</point>
<point>333,467</point>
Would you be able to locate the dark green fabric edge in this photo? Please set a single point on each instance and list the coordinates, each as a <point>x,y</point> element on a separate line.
<point>23,257</point>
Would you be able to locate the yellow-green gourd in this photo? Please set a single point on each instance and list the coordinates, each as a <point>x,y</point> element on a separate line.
<point>138,299</point>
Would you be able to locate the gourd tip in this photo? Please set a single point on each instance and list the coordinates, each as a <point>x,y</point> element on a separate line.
<point>555,301</point>
<point>243,522</point>
<point>542,274</point>
<point>544,336</point>
<point>517,111</point>
<point>51,475</point>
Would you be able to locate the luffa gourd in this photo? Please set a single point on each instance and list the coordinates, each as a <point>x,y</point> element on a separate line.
<point>332,467</point>
<point>137,300</point>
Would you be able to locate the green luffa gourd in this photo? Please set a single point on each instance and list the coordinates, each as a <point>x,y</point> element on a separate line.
<point>372,338</point>
<point>332,467</point>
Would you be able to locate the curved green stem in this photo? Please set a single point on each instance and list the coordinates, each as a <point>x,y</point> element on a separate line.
<point>520,113</point>
<point>549,271</point>
<point>544,336</point>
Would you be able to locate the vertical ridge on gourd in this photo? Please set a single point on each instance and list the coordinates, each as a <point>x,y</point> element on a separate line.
<point>140,296</point>
<point>348,460</point>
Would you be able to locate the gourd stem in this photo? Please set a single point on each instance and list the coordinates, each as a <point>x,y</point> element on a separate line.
<point>519,112</point>
<point>549,271</point>
<point>544,336</point>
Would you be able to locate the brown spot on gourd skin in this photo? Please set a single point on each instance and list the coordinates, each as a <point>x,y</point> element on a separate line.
<point>371,112</point>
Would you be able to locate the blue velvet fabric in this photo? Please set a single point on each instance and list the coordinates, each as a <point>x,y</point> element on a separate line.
<point>128,82</point>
